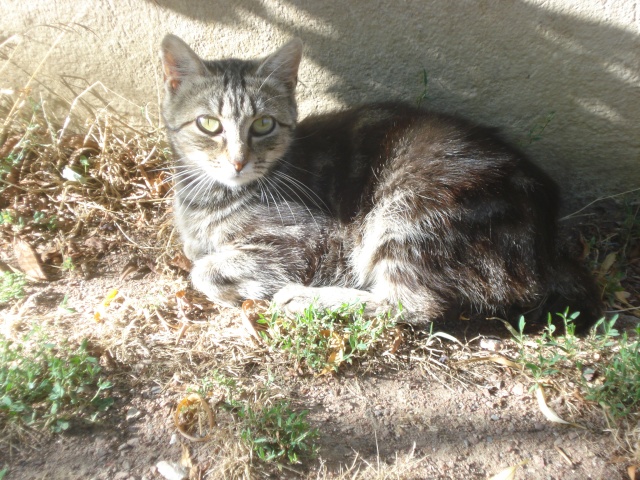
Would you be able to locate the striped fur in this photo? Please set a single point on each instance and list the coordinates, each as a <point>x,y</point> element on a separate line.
<point>383,203</point>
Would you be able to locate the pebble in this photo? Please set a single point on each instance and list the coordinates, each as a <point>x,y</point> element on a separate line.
<point>171,470</point>
<point>133,442</point>
<point>132,414</point>
<point>495,417</point>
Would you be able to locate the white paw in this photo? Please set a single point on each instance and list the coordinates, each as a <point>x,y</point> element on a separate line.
<point>295,299</point>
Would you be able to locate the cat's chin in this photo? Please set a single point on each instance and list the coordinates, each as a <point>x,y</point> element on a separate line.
<point>237,181</point>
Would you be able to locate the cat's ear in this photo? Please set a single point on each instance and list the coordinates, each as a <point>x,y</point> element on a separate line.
<point>283,64</point>
<point>178,62</point>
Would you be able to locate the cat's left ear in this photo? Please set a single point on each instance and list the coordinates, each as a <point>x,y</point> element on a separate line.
<point>283,64</point>
<point>178,62</point>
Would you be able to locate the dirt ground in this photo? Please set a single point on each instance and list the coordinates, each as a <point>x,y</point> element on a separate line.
<point>403,417</point>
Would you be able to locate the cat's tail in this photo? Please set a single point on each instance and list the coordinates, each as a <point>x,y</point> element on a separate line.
<point>572,287</point>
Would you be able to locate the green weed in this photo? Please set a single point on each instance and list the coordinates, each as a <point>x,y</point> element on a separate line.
<point>618,388</point>
<point>613,381</point>
<point>273,431</point>
<point>321,341</point>
<point>11,286</point>
<point>424,95</point>
<point>48,384</point>
<point>276,432</point>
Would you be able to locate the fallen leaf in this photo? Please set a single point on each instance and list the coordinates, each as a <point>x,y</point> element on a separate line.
<point>397,341</point>
<point>564,455</point>
<point>606,264</point>
<point>182,262</point>
<point>547,411</point>
<point>188,418</point>
<point>250,314</point>
<point>28,260</point>
<point>100,311</point>
<point>495,359</point>
<point>631,471</point>
<point>508,473</point>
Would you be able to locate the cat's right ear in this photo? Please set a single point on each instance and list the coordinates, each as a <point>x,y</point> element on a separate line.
<point>178,62</point>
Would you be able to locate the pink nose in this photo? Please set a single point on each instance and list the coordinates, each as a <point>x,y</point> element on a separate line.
<point>238,166</point>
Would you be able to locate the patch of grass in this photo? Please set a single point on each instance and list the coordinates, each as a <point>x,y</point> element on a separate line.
<point>618,388</point>
<point>271,429</point>
<point>48,385</point>
<point>320,341</point>
<point>276,432</point>
<point>605,365</point>
<point>11,286</point>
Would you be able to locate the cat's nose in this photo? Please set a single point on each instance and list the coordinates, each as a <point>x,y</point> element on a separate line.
<point>239,165</point>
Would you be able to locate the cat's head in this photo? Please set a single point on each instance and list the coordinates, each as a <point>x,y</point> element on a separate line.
<point>231,120</point>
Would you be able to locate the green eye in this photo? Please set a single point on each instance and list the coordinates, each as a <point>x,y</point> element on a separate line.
<point>209,125</point>
<point>263,125</point>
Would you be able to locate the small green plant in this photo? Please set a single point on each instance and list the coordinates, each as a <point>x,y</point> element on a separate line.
<point>276,432</point>
<point>6,217</point>
<point>618,390</point>
<point>11,286</point>
<point>44,384</point>
<point>538,127</point>
<point>424,95</point>
<point>272,430</point>
<point>68,265</point>
<point>614,382</point>
<point>322,340</point>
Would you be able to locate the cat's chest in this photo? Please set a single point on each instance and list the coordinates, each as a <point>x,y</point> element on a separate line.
<point>206,230</point>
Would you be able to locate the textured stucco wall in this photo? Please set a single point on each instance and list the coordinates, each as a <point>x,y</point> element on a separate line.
<point>514,64</point>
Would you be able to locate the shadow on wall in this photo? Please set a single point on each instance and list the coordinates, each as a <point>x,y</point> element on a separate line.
<point>507,64</point>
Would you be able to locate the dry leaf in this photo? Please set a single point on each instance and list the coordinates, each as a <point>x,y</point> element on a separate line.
<point>606,264</point>
<point>100,311</point>
<point>564,455</point>
<point>28,260</point>
<point>250,314</point>
<point>189,417</point>
<point>508,473</point>
<point>397,341</point>
<point>182,262</point>
<point>631,471</point>
<point>547,411</point>
<point>494,358</point>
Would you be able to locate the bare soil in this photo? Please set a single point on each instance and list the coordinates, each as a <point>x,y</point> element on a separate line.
<point>411,415</point>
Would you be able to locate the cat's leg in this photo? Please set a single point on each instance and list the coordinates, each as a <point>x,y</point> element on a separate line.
<point>295,298</point>
<point>230,276</point>
<point>396,259</point>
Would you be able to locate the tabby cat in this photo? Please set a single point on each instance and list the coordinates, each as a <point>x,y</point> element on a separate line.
<point>384,203</point>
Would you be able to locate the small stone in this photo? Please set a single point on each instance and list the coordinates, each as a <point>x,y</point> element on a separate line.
<point>133,442</point>
<point>124,446</point>
<point>171,470</point>
<point>174,439</point>
<point>538,426</point>
<point>495,417</point>
<point>489,439</point>
<point>121,476</point>
<point>518,389</point>
<point>132,414</point>
<point>126,465</point>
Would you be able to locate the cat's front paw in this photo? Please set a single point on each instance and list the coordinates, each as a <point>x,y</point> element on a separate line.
<point>295,299</point>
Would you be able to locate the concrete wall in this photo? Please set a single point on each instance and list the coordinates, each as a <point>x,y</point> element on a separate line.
<point>570,68</point>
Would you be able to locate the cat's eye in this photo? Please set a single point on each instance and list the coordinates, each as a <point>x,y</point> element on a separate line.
<point>209,125</point>
<point>263,126</point>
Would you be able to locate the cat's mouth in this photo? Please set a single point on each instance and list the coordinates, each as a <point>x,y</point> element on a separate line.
<point>231,177</point>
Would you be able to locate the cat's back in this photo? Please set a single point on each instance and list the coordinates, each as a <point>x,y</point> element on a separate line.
<point>359,155</point>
